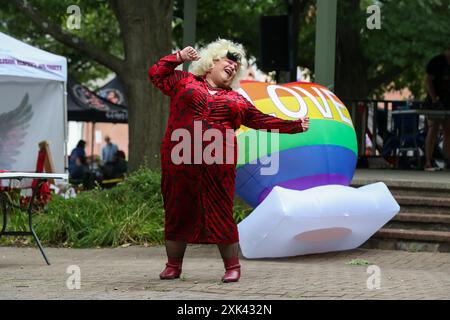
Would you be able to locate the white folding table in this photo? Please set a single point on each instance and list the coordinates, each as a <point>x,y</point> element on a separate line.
<point>6,203</point>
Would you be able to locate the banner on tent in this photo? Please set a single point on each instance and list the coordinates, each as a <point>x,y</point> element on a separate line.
<point>30,112</point>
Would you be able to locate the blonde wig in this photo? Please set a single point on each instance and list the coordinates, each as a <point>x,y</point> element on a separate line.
<point>215,51</point>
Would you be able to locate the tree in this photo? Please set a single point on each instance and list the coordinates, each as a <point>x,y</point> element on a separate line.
<point>239,20</point>
<point>128,36</point>
<point>97,19</point>
<point>143,32</point>
<point>369,62</point>
<point>351,77</point>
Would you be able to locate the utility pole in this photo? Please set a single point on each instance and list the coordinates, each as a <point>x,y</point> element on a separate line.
<point>294,8</point>
<point>189,24</point>
<point>324,62</point>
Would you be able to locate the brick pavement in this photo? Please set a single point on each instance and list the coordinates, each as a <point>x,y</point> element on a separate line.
<point>132,273</point>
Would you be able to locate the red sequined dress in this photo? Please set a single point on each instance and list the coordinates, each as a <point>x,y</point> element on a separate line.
<point>198,195</point>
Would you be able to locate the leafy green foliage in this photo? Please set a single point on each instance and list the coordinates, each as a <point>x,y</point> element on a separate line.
<point>241,210</point>
<point>412,32</point>
<point>237,20</point>
<point>130,213</point>
<point>99,26</point>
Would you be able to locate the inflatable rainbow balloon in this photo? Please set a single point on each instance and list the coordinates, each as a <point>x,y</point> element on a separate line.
<point>325,154</point>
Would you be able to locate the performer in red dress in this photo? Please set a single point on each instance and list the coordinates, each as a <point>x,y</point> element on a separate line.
<point>198,195</point>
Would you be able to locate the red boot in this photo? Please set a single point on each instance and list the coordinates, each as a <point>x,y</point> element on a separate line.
<point>232,270</point>
<point>172,270</point>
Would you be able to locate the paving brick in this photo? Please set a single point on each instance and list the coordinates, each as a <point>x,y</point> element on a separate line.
<point>132,273</point>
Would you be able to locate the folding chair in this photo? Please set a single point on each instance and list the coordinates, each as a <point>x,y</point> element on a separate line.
<point>406,129</point>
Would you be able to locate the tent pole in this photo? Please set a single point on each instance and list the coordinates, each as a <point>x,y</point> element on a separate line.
<point>66,159</point>
<point>92,145</point>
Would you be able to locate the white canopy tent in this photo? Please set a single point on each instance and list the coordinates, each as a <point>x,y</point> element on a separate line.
<point>32,105</point>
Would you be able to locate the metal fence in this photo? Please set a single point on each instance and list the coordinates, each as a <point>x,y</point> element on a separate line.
<point>377,127</point>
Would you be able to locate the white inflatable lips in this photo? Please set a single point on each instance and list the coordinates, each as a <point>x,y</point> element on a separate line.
<point>321,219</point>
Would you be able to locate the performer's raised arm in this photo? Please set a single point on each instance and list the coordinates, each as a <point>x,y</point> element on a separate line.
<point>163,73</point>
<point>255,119</point>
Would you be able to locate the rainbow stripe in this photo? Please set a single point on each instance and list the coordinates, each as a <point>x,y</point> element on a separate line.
<point>326,154</point>
<point>299,169</point>
<point>336,134</point>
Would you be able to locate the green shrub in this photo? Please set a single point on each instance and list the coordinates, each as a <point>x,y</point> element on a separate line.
<point>130,213</point>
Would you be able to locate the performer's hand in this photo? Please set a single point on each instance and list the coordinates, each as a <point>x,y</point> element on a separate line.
<point>305,123</point>
<point>189,54</point>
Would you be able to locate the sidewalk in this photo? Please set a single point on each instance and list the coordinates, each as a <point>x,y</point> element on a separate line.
<point>132,273</point>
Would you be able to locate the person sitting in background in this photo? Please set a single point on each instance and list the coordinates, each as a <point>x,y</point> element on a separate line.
<point>78,162</point>
<point>120,165</point>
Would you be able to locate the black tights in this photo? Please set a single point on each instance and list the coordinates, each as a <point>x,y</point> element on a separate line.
<point>176,249</point>
<point>228,251</point>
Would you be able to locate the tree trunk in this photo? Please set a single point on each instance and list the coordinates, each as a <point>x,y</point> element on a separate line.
<point>146,27</point>
<point>351,80</point>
